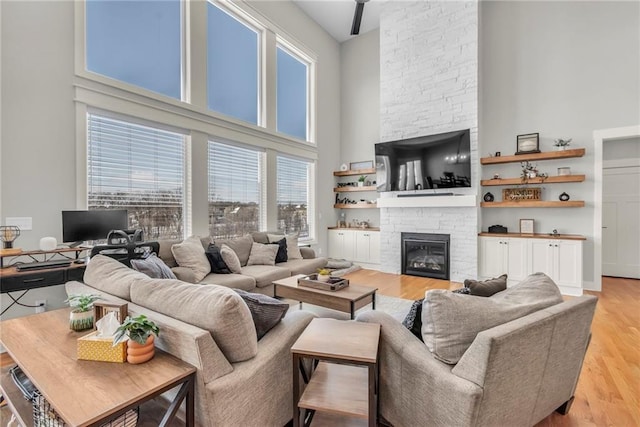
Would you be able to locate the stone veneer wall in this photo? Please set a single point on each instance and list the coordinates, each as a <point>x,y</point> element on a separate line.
<point>428,85</point>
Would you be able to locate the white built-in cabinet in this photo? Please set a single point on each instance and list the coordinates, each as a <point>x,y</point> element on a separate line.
<point>359,246</point>
<point>560,259</point>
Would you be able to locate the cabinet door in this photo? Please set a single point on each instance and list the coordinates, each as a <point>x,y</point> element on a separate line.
<point>517,260</point>
<point>374,247</point>
<point>492,257</point>
<point>542,257</point>
<point>568,263</point>
<point>349,245</point>
<point>362,246</point>
<point>336,241</point>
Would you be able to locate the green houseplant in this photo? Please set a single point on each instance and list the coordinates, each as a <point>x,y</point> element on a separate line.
<point>81,316</point>
<point>361,180</point>
<point>140,333</point>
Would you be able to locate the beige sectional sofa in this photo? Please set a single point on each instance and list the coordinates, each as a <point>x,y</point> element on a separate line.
<point>254,278</point>
<point>240,381</point>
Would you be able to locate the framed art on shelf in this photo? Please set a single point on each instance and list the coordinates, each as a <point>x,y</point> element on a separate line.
<point>526,226</point>
<point>528,143</point>
<point>361,165</point>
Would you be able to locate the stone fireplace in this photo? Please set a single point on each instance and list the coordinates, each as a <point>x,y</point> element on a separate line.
<point>425,254</point>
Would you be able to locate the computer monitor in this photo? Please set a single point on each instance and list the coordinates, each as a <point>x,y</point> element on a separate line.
<point>80,226</point>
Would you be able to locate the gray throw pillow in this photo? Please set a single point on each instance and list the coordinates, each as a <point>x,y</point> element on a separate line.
<point>266,312</point>
<point>262,254</point>
<point>231,259</point>
<point>190,254</point>
<point>153,267</point>
<point>486,288</point>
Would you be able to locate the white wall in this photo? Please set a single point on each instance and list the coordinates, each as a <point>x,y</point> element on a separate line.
<point>561,69</point>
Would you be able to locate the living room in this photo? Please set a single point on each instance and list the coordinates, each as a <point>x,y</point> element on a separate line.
<point>560,69</point>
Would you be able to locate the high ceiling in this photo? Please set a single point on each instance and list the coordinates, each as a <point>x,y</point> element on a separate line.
<point>336,16</point>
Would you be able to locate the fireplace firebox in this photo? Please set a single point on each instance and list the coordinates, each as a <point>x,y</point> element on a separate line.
<point>426,255</point>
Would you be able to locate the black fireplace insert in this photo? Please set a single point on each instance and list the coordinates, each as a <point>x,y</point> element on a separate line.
<point>426,255</point>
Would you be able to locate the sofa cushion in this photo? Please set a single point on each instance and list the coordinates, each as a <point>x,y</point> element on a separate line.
<point>190,254</point>
<point>238,281</point>
<point>450,321</point>
<point>262,254</point>
<point>215,260</point>
<point>293,251</point>
<point>165,253</point>
<point>153,267</point>
<point>217,309</point>
<point>281,256</point>
<point>111,276</point>
<point>266,312</point>
<point>486,288</point>
<point>240,245</point>
<point>265,274</point>
<point>303,266</point>
<point>230,259</point>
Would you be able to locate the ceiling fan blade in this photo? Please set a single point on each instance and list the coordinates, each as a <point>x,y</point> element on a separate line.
<point>357,17</point>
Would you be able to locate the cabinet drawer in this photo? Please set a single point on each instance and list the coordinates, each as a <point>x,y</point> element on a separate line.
<point>33,280</point>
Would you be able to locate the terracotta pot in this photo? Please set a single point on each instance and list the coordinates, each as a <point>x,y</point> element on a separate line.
<point>80,321</point>
<point>140,353</point>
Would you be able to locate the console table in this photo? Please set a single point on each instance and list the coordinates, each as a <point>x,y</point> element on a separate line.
<point>86,393</point>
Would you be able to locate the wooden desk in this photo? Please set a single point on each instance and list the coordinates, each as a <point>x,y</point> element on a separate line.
<point>87,393</point>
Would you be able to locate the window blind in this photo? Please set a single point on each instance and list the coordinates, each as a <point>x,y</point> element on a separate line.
<point>294,179</point>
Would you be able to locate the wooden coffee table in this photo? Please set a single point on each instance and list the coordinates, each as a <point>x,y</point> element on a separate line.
<point>346,300</point>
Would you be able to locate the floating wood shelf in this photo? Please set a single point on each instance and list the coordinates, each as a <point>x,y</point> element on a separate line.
<point>547,155</point>
<point>355,206</point>
<point>534,204</point>
<point>354,189</point>
<point>355,172</point>
<point>518,181</point>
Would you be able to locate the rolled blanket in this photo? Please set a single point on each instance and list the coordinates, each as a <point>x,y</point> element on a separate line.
<point>338,263</point>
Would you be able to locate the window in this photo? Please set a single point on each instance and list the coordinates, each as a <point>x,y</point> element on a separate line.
<point>137,42</point>
<point>232,66</point>
<point>292,95</point>
<point>138,168</point>
<point>295,201</point>
<point>235,190</point>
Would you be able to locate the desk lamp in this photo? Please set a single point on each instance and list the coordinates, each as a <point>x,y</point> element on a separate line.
<point>9,233</point>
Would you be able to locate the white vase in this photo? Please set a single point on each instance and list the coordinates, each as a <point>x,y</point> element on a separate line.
<point>360,184</point>
<point>323,277</point>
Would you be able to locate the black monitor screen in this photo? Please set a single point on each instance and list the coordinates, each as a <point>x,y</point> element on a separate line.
<point>78,226</point>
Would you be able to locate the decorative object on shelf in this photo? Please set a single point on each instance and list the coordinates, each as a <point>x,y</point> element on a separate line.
<point>564,197</point>
<point>354,166</point>
<point>488,197</point>
<point>102,308</point>
<point>361,180</point>
<point>530,171</point>
<point>497,229</point>
<point>496,176</point>
<point>332,283</point>
<point>48,243</point>
<point>402,177</point>
<point>518,194</point>
<point>411,176</point>
<point>528,143</point>
<point>140,333</point>
<point>564,171</point>
<point>498,154</point>
<point>554,232</point>
<point>526,226</point>
<point>344,167</point>
<point>342,224</point>
<point>81,316</point>
<point>8,234</point>
<point>561,144</point>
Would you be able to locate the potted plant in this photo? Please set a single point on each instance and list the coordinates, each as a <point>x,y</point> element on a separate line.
<point>81,316</point>
<point>561,144</point>
<point>324,274</point>
<point>361,180</point>
<point>530,171</point>
<point>140,333</point>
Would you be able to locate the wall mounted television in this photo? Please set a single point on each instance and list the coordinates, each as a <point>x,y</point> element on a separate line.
<point>81,226</point>
<point>426,162</point>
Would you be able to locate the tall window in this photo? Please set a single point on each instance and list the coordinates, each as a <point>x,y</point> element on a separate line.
<point>137,42</point>
<point>235,190</point>
<point>292,94</point>
<point>232,66</point>
<point>138,168</point>
<point>294,182</point>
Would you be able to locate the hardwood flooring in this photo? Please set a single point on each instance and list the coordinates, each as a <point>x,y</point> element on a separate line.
<point>608,392</point>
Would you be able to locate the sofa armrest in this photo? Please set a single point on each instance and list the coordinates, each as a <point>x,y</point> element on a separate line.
<point>185,274</point>
<point>307,253</point>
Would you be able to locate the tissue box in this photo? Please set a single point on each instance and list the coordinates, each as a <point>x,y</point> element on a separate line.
<point>91,347</point>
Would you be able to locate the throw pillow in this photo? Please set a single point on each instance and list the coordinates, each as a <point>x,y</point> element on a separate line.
<point>190,254</point>
<point>266,312</point>
<point>153,267</point>
<point>486,288</point>
<point>281,256</point>
<point>463,291</point>
<point>293,251</point>
<point>231,259</point>
<point>262,254</point>
<point>215,260</point>
<point>413,321</point>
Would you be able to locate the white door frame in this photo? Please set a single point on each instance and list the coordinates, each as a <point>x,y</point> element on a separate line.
<point>600,137</point>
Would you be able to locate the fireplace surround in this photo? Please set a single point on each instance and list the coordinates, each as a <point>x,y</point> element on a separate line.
<point>426,255</point>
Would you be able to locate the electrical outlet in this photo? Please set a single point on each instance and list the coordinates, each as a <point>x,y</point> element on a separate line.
<point>41,305</point>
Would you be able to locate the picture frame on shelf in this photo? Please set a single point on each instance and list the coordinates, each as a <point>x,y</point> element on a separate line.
<point>528,143</point>
<point>368,164</point>
<point>527,227</point>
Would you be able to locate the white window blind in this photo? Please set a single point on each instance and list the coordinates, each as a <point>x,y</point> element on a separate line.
<point>236,204</point>
<point>295,196</point>
<point>138,168</point>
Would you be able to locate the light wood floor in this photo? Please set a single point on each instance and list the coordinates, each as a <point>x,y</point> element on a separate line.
<point>608,392</point>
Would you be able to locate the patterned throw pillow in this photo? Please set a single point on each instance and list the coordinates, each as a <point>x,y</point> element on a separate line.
<point>413,321</point>
<point>262,254</point>
<point>231,259</point>
<point>153,267</point>
<point>266,312</point>
<point>488,287</point>
<point>281,256</point>
<point>215,260</point>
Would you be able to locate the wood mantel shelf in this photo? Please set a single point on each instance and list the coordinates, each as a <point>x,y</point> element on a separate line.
<point>518,181</point>
<point>547,155</point>
<point>534,204</point>
<point>535,236</point>
<point>355,172</point>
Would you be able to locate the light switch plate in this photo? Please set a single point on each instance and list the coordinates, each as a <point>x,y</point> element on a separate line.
<point>22,222</point>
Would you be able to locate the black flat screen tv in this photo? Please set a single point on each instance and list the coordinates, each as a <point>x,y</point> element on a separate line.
<point>80,226</point>
<point>425,162</point>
